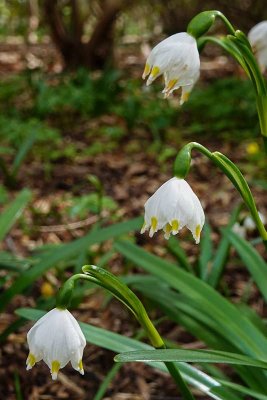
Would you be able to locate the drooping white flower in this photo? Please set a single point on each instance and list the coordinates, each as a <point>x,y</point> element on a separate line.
<point>177,58</point>
<point>57,339</point>
<point>173,206</point>
<point>239,229</point>
<point>249,223</point>
<point>258,40</point>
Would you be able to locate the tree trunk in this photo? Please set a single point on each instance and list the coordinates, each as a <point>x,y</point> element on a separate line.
<point>75,53</point>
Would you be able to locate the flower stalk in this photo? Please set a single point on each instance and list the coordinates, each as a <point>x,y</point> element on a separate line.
<point>182,166</point>
<point>262,114</point>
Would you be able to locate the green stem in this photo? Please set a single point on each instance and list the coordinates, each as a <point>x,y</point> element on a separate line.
<point>175,373</point>
<point>119,290</point>
<point>226,21</point>
<point>228,45</point>
<point>262,113</point>
<point>252,64</point>
<point>182,166</point>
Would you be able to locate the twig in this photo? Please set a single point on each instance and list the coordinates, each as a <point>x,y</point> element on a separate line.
<point>70,226</point>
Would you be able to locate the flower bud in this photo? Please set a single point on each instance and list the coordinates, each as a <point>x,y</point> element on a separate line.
<point>183,161</point>
<point>201,23</point>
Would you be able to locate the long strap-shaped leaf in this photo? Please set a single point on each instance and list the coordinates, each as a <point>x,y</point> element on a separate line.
<point>13,212</point>
<point>252,260</point>
<point>195,356</point>
<point>187,312</point>
<point>240,331</point>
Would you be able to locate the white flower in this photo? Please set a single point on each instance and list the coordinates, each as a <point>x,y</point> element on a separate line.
<point>177,58</point>
<point>240,230</point>
<point>258,40</point>
<point>249,223</point>
<point>173,206</point>
<point>57,339</point>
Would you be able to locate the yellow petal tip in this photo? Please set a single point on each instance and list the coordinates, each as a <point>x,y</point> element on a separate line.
<point>55,368</point>
<point>197,233</point>
<point>30,362</point>
<point>175,226</point>
<point>146,71</point>
<point>155,72</point>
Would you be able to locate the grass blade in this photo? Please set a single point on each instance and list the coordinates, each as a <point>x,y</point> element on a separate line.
<point>252,260</point>
<point>175,248</point>
<point>13,212</point>
<point>222,253</point>
<point>228,320</point>
<point>22,153</point>
<point>244,390</point>
<point>106,382</point>
<point>195,356</point>
<point>206,250</point>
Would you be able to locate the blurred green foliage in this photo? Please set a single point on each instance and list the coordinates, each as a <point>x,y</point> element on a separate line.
<point>71,116</point>
<point>76,93</point>
<point>53,106</point>
<point>227,107</point>
<point>90,203</point>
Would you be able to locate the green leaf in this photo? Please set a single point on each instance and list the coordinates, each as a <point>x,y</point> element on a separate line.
<point>11,263</point>
<point>226,318</point>
<point>187,312</point>
<point>182,310</point>
<point>219,321</point>
<point>206,250</point>
<point>244,390</point>
<point>23,151</point>
<point>222,252</point>
<point>195,356</point>
<point>252,260</point>
<point>236,177</point>
<point>175,248</point>
<point>118,343</point>
<point>51,258</point>
<point>107,380</point>
<point>13,211</point>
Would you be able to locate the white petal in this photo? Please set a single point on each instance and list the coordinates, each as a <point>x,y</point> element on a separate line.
<point>174,205</point>
<point>258,33</point>
<point>261,56</point>
<point>239,230</point>
<point>56,337</point>
<point>177,58</point>
<point>76,360</point>
<point>258,40</point>
<point>195,225</point>
<point>249,223</point>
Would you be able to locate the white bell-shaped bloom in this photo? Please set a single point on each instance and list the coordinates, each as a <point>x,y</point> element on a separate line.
<point>249,223</point>
<point>258,40</point>
<point>173,206</point>
<point>57,339</point>
<point>239,229</point>
<point>177,58</point>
